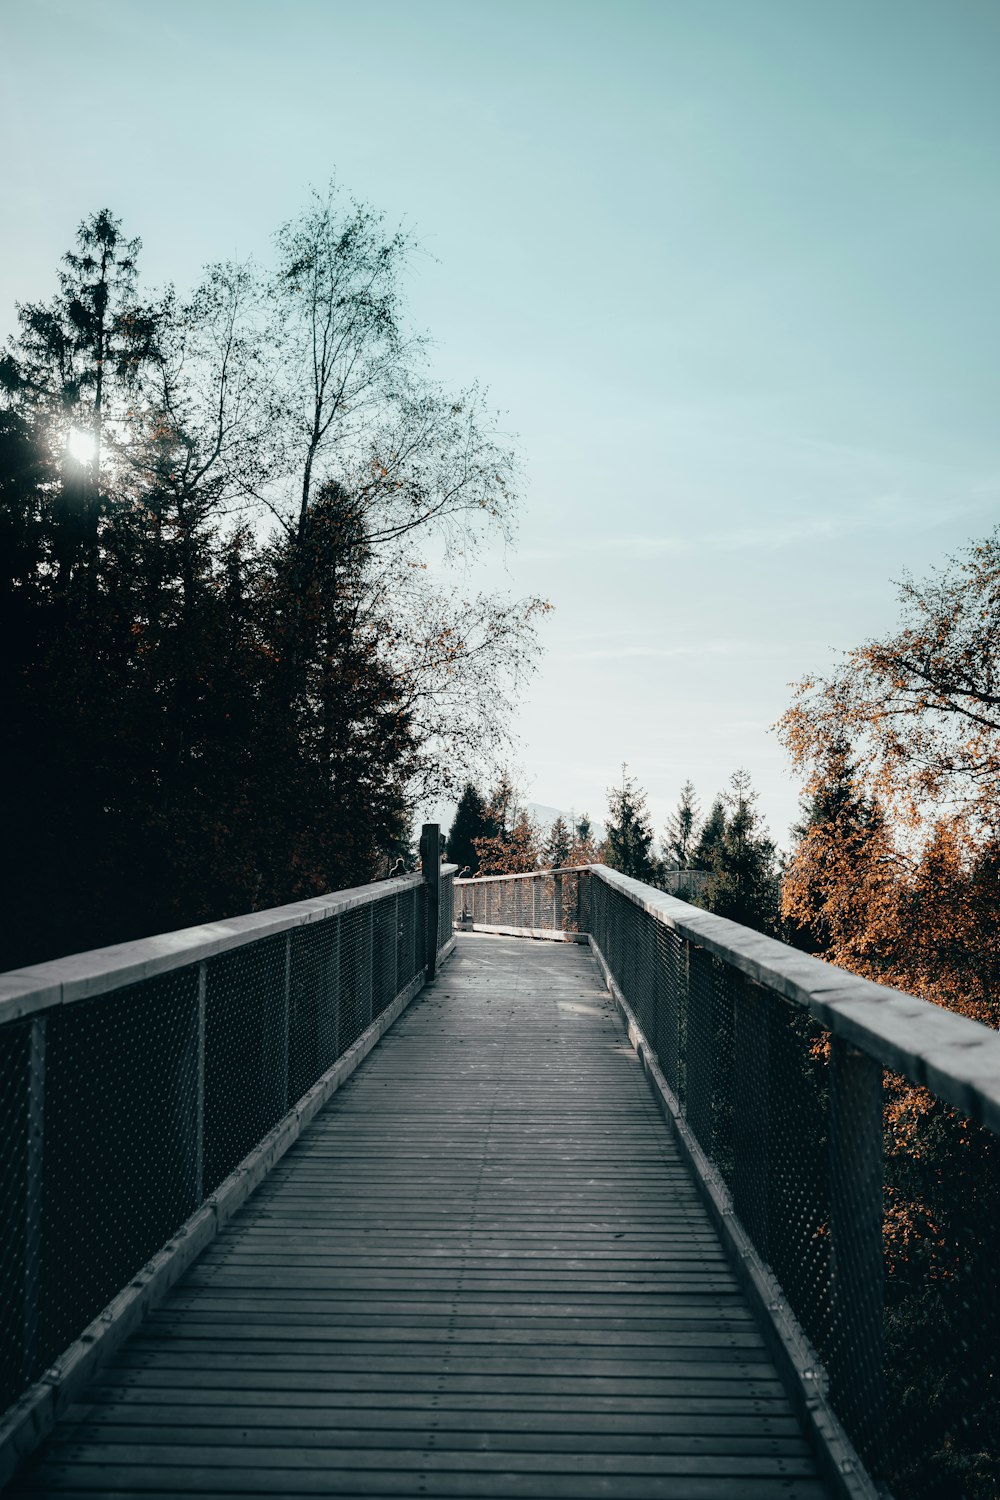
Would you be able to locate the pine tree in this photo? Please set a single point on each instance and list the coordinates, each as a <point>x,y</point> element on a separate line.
<point>743,884</point>
<point>472,821</point>
<point>712,831</point>
<point>557,846</point>
<point>583,849</point>
<point>681,832</point>
<point>630,834</point>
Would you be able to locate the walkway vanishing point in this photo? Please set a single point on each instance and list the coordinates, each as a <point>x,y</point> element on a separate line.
<point>588,1198</point>
<point>483,1271</point>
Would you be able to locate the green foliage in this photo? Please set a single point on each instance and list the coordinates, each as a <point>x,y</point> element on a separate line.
<point>630,833</point>
<point>681,833</point>
<point>472,821</point>
<point>743,877</point>
<point>556,852</point>
<point>710,838</point>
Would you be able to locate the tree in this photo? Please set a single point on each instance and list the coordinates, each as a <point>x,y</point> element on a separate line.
<point>73,367</point>
<point>710,837</point>
<point>840,849</point>
<point>630,834</point>
<point>472,821</point>
<point>229,673</point>
<point>516,846</point>
<point>743,883</point>
<point>583,849</point>
<point>555,853</point>
<point>681,832</point>
<point>894,876</point>
<point>920,709</point>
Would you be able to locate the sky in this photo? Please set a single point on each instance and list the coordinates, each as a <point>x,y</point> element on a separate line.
<point>727,268</point>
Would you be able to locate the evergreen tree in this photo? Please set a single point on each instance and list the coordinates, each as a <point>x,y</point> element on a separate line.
<point>555,853</point>
<point>204,717</point>
<point>503,807</point>
<point>630,833</point>
<point>743,883</point>
<point>712,831</point>
<point>472,821</point>
<point>681,833</point>
<point>582,849</point>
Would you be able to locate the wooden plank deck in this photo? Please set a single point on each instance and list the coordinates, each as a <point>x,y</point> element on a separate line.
<point>482,1272</point>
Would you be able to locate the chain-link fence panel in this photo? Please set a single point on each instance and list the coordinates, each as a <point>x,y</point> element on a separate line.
<point>122,1111</point>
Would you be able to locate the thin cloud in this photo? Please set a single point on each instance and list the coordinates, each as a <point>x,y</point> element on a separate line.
<point>884,513</point>
<point>660,653</point>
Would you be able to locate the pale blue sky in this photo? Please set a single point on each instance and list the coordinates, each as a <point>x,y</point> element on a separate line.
<point>729,267</point>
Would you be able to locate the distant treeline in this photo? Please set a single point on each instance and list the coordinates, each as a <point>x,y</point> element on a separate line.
<point>226,676</point>
<point>728,855</point>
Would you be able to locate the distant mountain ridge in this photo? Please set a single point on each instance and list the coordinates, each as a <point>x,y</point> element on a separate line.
<point>546,816</point>
<point>539,812</point>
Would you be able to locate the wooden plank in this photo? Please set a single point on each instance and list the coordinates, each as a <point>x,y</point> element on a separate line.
<point>482,1272</point>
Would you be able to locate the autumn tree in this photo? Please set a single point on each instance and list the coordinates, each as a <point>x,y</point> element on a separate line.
<point>516,845</point>
<point>630,833</point>
<point>894,876</point>
<point>920,709</point>
<point>583,846</point>
<point>900,749</point>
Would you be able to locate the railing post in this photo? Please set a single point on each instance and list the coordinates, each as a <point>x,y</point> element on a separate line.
<point>369,990</point>
<point>199,1087</point>
<point>34,1168</point>
<point>557,903</point>
<point>329,999</point>
<point>857,1258</point>
<point>430,865</point>
<point>752,1111</point>
<point>286,1029</point>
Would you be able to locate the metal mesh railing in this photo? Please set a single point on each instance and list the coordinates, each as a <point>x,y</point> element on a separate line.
<point>543,901</point>
<point>873,1201</point>
<point>852,1133</point>
<point>124,1105</point>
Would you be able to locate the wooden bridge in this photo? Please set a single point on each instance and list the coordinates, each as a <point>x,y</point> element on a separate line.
<point>525,1247</point>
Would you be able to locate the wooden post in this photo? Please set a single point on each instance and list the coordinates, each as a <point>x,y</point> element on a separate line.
<point>858,1267</point>
<point>557,903</point>
<point>430,865</point>
<point>34,1168</point>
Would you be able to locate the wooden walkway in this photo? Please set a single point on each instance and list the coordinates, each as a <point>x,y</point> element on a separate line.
<point>482,1272</point>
